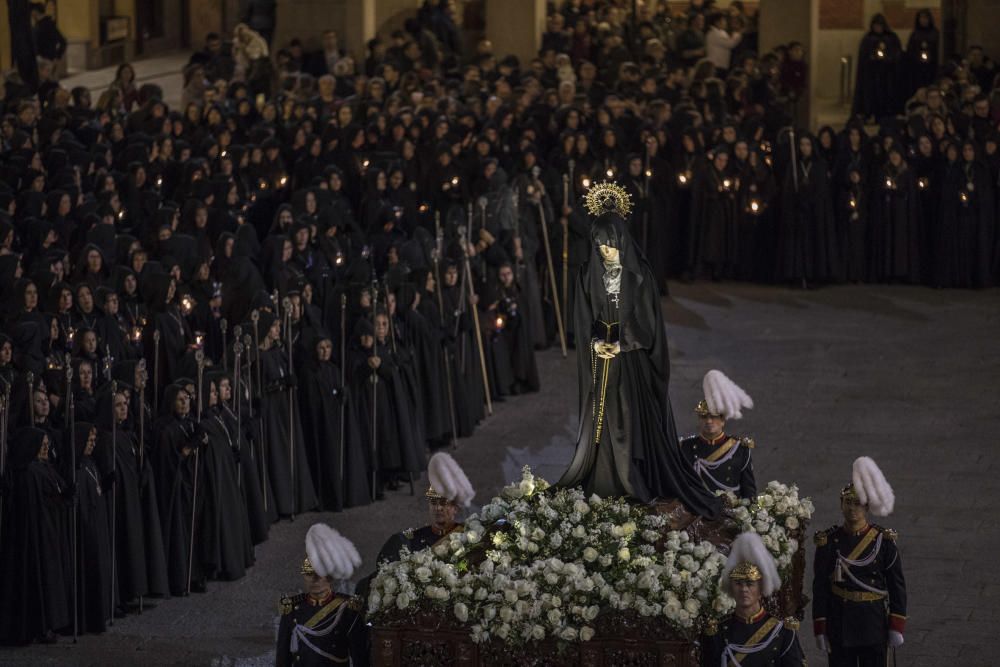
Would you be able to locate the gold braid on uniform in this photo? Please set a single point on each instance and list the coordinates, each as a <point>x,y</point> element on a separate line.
<point>606,197</point>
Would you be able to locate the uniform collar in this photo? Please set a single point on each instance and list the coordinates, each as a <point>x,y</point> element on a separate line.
<point>320,603</point>
<point>753,619</point>
<point>714,441</point>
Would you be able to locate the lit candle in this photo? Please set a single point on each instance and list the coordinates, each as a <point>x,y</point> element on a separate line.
<point>754,206</point>
<point>610,173</point>
<point>585,182</point>
<point>922,183</point>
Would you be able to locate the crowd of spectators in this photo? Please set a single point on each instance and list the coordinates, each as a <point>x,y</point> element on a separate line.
<point>280,296</point>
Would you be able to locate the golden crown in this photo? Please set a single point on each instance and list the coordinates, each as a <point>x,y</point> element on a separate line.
<point>606,196</point>
<point>746,571</point>
<point>307,567</point>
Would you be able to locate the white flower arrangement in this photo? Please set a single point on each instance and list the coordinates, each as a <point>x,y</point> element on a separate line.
<point>534,565</point>
<point>779,516</point>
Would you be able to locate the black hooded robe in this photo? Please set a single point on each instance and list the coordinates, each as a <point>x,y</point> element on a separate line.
<point>142,566</point>
<point>226,546</point>
<point>94,542</point>
<point>274,413</point>
<point>637,451</point>
<point>35,555</point>
<point>332,427</point>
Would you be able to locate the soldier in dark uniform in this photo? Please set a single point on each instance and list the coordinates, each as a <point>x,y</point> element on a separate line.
<point>751,637</point>
<point>321,626</point>
<point>722,462</point>
<point>448,492</point>
<point>859,594</point>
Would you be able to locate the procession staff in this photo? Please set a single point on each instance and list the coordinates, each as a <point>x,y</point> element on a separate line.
<point>200,358</point>
<point>114,501</point>
<point>564,223</point>
<point>343,387</point>
<point>539,192</point>
<point>473,301</point>
<point>374,381</point>
<point>436,259</point>
<point>859,592</point>
<point>74,507</point>
<point>143,377</point>
<point>156,372</point>
<point>286,305</point>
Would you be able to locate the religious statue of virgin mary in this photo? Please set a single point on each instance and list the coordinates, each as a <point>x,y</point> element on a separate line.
<point>627,442</point>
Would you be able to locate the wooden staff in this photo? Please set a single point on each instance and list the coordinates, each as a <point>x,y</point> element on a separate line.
<point>374,381</point>
<point>31,397</point>
<point>552,275</point>
<point>75,507</point>
<point>114,498</point>
<point>436,257</point>
<point>200,358</point>
<point>343,386</point>
<point>224,325</point>
<point>235,398</point>
<point>567,179</point>
<point>4,414</point>
<point>143,377</point>
<point>475,321</point>
<point>286,305</point>
<point>156,372</point>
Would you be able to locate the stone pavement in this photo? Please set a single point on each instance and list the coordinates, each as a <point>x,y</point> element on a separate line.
<point>905,375</point>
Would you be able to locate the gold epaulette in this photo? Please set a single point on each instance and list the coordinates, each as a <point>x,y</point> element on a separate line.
<point>821,537</point>
<point>355,603</point>
<point>889,533</point>
<point>288,602</point>
<point>711,628</point>
<point>748,442</point>
<point>792,623</point>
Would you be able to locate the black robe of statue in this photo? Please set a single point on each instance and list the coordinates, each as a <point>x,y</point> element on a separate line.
<point>142,566</point>
<point>637,451</point>
<point>36,553</point>
<point>226,546</point>
<point>331,426</point>
<point>175,476</point>
<point>278,382</point>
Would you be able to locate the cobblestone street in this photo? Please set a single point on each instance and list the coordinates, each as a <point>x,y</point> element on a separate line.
<point>905,375</point>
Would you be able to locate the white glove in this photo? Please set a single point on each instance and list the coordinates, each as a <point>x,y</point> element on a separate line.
<point>822,644</point>
<point>895,639</point>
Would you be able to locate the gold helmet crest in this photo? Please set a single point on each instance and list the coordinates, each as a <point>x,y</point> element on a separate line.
<point>606,197</point>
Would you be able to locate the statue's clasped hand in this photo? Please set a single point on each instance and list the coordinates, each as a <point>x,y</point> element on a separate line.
<point>606,350</point>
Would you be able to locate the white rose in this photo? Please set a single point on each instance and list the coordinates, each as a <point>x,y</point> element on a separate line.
<point>590,613</point>
<point>579,531</point>
<point>692,606</point>
<point>472,536</point>
<point>461,612</point>
<point>586,633</point>
<point>554,616</point>
<point>628,528</point>
<point>490,613</point>
<point>569,634</point>
<point>581,507</point>
<point>537,632</point>
<point>590,554</point>
<point>503,631</point>
<point>624,554</point>
<point>791,523</point>
<point>551,578</point>
<point>506,614</point>
<point>526,487</point>
<point>510,595</point>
